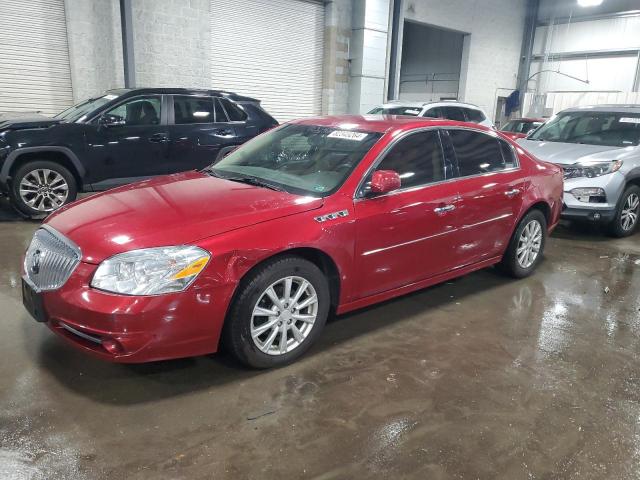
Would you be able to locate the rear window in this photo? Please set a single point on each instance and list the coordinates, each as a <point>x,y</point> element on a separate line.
<point>454,113</point>
<point>479,153</point>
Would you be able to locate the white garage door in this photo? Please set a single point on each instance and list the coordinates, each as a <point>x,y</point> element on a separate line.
<point>271,50</point>
<point>34,58</point>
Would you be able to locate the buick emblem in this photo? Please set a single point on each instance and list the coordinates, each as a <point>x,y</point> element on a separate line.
<point>35,262</point>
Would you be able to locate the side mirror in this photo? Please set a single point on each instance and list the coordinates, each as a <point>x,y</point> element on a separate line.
<point>384,181</point>
<point>111,121</point>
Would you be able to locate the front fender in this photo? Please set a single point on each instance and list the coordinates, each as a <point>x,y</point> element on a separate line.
<point>15,154</point>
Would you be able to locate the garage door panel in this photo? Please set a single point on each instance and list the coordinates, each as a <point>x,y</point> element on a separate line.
<point>280,66</point>
<point>34,59</point>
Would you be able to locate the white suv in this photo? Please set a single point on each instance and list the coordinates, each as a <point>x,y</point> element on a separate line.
<point>451,110</point>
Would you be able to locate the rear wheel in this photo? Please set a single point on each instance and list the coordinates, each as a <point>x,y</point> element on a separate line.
<point>626,219</point>
<point>40,187</point>
<point>278,313</point>
<point>526,246</point>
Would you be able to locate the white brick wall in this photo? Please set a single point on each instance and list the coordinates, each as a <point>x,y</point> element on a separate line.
<point>172,43</point>
<point>493,46</point>
<point>95,48</point>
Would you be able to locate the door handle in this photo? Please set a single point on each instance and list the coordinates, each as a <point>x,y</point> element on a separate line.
<point>444,209</point>
<point>223,131</point>
<point>159,138</point>
<point>512,193</point>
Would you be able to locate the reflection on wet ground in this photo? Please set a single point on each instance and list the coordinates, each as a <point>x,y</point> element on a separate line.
<point>482,377</point>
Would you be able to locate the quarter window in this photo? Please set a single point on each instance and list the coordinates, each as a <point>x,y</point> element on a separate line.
<point>188,110</point>
<point>479,153</point>
<point>475,116</point>
<point>139,111</point>
<point>221,115</point>
<point>417,159</point>
<point>235,112</point>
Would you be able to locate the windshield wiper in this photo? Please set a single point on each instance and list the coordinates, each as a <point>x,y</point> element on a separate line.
<point>248,180</point>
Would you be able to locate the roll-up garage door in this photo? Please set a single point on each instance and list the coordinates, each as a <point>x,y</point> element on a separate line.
<point>34,57</point>
<point>271,50</point>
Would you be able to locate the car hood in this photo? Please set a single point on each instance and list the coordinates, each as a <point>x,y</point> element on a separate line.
<point>171,210</point>
<point>568,153</point>
<point>16,121</point>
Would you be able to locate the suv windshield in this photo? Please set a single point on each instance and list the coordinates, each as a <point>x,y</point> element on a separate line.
<point>592,128</point>
<point>78,111</point>
<point>520,126</point>
<point>411,111</point>
<point>302,159</point>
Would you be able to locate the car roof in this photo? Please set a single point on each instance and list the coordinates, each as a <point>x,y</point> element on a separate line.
<point>441,103</point>
<point>606,108</point>
<point>183,91</point>
<point>382,123</point>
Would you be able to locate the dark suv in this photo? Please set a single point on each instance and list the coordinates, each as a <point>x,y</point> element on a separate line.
<point>123,136</point>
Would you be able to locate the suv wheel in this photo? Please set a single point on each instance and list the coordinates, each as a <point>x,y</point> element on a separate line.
<point>40,187</point>
<point>278,313</point>
<point>526,246</point>
<point>626,220</point>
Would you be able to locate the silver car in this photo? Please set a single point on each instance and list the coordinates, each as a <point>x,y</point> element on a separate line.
<point>598,149</point>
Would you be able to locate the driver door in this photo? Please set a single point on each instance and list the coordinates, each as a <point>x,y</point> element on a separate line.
<point>129,142</point>
<point>406,235</point>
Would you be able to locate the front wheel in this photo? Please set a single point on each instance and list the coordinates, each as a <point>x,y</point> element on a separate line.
<point>278,313</point>
<point>40,187</point>
<point>626,220</point>
<point>526,246</point>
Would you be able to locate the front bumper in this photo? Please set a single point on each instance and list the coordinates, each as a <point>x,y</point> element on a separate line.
<point>135,329</point>
<point>573,209</point>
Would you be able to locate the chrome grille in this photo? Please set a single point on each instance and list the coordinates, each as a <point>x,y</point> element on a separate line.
<point>50,259</point>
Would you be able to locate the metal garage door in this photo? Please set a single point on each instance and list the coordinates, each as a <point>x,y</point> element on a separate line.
<point>34,58</point>
<point>271,50</point>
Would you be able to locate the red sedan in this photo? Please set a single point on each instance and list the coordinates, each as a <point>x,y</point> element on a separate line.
<point>318,215</point>
<point>520,127</point>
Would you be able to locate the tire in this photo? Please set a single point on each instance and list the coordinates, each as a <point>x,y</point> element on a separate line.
<point>515,261</point>
<point>266,351</point>
<point>52,185</point>
<point>626,219</point>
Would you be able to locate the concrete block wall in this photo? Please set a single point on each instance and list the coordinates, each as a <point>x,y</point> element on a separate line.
<point>95,46</point>
<point>491,52</point>
<point>172,43</point>
<point>337,38</point>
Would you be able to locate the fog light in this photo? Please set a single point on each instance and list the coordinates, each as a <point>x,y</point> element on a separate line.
<point>596,216</point>
<point>589,195</point>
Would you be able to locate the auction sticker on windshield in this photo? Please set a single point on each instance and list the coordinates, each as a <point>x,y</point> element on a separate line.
<point>347,135</point>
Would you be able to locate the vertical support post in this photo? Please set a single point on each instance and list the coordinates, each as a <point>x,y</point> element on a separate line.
<point>394,51</point>
<point>636,81</point>
<point>529,35</point>
<point>126,22</point>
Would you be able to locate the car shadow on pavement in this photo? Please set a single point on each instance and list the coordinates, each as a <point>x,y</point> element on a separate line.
<point>7,212</point>
<point>130,384</point>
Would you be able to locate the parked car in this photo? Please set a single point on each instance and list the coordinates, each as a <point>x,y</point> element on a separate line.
<point>119,137</point>
<point>598,149</point>
<point>520,127</point>
<point>318,215</point>
<point>448,109</point>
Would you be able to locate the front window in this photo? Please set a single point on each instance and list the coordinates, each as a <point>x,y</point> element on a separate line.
<point>138,111</point>
<point>409,111</point>
<point>592,128</point>
<point>82,109</point>
<point>302,159</point>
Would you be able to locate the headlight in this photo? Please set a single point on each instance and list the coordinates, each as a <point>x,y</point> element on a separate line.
<point>151,271</point>
<point>591,169</point>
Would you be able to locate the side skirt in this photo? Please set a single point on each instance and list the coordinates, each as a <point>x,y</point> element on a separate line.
<point>412,287</point>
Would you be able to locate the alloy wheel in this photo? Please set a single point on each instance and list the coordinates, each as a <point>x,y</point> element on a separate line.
<point>629,215</point>
<point>529,244</point>
<point>284,315</point>
<point>44,190</point>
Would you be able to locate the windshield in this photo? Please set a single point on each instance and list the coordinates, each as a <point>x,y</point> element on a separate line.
<point>411,111</point>
<point>591,128</point>
<point>520,126</point>
<point>302,159</point>
<point>78,111</point>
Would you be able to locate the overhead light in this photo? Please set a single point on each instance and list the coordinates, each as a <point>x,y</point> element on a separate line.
<point>589,3</point>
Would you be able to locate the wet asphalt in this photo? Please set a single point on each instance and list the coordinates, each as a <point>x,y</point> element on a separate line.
<point>480,378</point>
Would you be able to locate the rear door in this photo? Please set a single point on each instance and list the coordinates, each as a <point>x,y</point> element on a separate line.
<point>198,129</point>
<point>491,187</point>
<point>406,235</point>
